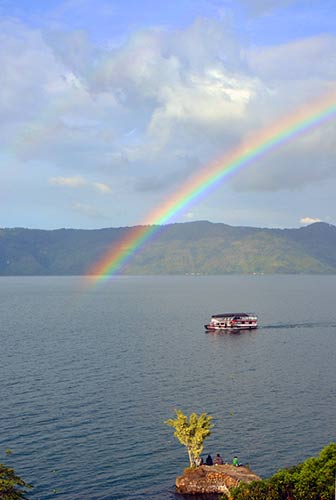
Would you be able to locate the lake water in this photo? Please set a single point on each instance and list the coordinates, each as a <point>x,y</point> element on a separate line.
<point>88,377</point>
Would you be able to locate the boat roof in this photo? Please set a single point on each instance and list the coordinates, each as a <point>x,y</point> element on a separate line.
<point>230,315</point>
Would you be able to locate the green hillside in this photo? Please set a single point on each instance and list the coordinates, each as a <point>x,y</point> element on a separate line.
<point>195,247</point>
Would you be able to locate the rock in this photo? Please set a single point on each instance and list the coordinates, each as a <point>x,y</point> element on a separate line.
<point>208,479</point>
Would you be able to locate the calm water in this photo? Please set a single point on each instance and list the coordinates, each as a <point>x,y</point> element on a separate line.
<point>88,378</point>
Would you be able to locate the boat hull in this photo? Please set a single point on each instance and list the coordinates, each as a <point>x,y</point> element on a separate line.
<point>211,328</point>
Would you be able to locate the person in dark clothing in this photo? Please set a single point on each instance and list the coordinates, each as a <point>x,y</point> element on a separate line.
<point>208,460</point>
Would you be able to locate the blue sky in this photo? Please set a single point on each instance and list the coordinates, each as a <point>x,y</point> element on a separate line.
<point>108,106</point>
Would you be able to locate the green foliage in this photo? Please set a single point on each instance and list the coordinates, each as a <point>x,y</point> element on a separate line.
<point>12,487</point>
<point>191,432</point>
<point>314,479</point>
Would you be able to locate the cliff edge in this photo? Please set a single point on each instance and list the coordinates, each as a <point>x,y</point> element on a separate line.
<point>208,479</point>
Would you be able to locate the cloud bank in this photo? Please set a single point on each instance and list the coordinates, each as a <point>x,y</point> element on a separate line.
<point>144,114</point>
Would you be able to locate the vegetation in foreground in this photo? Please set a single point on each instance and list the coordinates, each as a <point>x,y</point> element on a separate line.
<point>191,432</point>
<point>12,487</point>
<point>314,479</point>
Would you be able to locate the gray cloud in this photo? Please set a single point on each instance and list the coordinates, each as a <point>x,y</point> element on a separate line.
<point>163,178</point>
<point>313,58</point>
<point>186,94</point>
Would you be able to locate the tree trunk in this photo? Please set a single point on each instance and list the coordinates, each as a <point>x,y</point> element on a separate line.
<point>191,458</point>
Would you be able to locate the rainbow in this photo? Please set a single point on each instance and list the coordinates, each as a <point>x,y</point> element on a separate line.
<point>248,151</point>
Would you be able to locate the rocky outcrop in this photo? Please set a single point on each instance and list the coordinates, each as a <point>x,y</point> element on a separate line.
<point>213,479</point>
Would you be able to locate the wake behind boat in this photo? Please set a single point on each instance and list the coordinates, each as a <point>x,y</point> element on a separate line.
<point>232,321</point>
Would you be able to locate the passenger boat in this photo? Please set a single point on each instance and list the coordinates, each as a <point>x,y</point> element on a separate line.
<point>232,321</point>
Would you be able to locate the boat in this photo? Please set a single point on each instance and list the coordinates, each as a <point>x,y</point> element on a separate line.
<point>232,321</point>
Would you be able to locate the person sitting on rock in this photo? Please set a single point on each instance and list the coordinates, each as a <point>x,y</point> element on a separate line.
<point>235,461</point>
<point>208,460</point>
<point>199,461</point>
<point>218,460</point>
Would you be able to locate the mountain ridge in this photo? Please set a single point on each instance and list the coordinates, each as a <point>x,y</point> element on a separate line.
<point>199,247</point>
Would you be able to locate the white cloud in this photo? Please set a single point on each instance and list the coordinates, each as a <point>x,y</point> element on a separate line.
<point>145,115</point>
<point>189,215</point>
<point>309,220</point>
<point>296,61</point>
<point>101,187</point>
<point>73,182</point>
<point>168,88</point>
<point>79,182</point>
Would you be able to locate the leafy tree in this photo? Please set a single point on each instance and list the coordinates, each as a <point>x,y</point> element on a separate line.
<point>191,432</point>
<point>12,487</point>
<point>314,479</point>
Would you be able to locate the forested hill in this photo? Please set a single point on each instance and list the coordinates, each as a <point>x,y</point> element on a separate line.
<point>194,247</point>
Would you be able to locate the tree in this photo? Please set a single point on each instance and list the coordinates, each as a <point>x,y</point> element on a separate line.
<point>11,486</point>
<point>191,432</point>
<point>314,479</point>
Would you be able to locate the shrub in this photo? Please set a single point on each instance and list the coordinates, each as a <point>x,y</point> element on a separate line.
<point>314,479</point>
<point>12,487</point>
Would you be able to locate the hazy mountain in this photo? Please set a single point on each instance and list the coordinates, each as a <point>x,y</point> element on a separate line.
<point>194,247</point>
